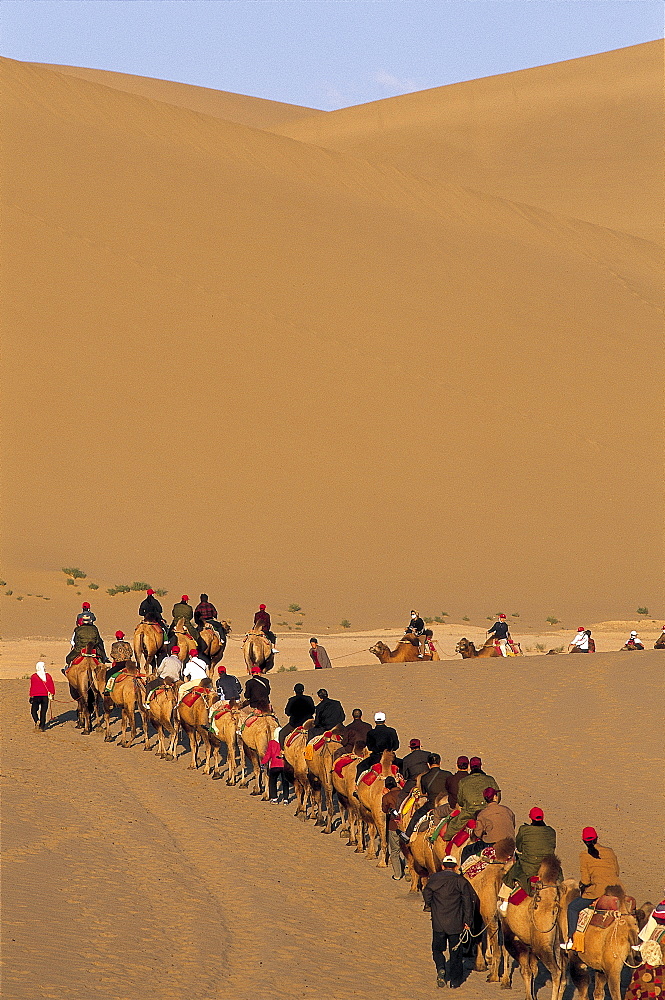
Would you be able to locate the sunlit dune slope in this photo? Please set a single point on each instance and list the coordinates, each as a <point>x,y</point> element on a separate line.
<point>253,111</point>
<point>298,375</point>
<point>582,138</point>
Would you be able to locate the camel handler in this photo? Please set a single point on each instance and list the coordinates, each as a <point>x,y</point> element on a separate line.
<point>151,610</point>
<point>533,843</point>
<point>86,633</point>
<point>493,823</point>
<point>257,692</point>
<point>185,611</point>
<point>195,675</point>
<point>121,653</point>
<point>471,796</point>
<point>599,869</point>
<point>416,626</point>
<point>389,805</point>
<point>262,621</point>
<point>451,900</point>
<point>501,633</point>
<point>205,613</point>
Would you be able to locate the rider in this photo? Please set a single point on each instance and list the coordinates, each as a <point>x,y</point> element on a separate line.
<point>87,615</point>
<point>205,613</point>
<point>470,796</point>
<point>195,675</point>
<point>262,621</point>
<point>580,644</point>
<point>121,653</point>
<point>378,739</point>
<point>534,842</point>
<point>634,642</point>
<point>184,610</point>
<point>599,868</point>
<point>417,627</point>
<point>151,610</point>
<point>228,686</point>
<point>500,632</point>
<point>257,691</point>
<point>84,634</point>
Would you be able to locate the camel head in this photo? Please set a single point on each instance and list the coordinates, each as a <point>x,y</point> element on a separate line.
<point>465,647</point>
<point>550,870</point>
<point>225,625</point>
<point>380,649</point>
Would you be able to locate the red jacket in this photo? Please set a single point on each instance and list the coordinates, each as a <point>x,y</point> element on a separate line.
<point>273,755</point>
<point>38,688</point>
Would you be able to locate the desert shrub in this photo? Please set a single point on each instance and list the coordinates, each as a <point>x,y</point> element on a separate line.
<point>78,574</point>
<point>515,614</point>
<point>558,649</point>
<point>643,611</point>
<point>293,608</point>
<point>161,593</point>
<point>139,585</point>
<point>540,646</point>
<point>3,583</point>
<point>552,620</point>
<point>9,593</point>
<point>428,621</point>
<point>19,598</point>
<point>93,586</point>
<point>70,582</point>
<point>345,623</point>
<point>120,588</point>
<point>490,618</point>
<point>466,618</point>
<point>444,614</point>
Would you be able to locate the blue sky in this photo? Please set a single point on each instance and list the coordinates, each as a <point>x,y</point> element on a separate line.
<point>322,53</point>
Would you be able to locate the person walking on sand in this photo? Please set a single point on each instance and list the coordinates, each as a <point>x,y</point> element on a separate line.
<point>599,869</point>
<point>319,656</point>
<point>450,899</point>
<point>273,761</point>
<point>389,804</point>
<point>42,691</point>
<point>580,644</point>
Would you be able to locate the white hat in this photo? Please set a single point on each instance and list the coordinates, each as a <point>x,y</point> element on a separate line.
<point>379,716</point>
<point>449,860</point>
<point>633,633</point>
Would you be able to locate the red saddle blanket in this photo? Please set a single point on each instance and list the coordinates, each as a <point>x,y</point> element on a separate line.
<point>478,863</point>
<point>291,737</point>
<point>192,695</point>
<point>222,710</point>
<point>369,777</point>
<point>81,657</point>
<point>320,740</point>
<point>341,763</point>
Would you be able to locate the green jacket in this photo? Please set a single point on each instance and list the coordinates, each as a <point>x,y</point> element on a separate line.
<point>470,792</point>
<point>532,844</point>
<point>83,634</point>
<point>185,611</point>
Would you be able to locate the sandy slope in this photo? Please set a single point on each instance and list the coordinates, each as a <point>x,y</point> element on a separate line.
<point>310,377</point>
<point>236,897</point>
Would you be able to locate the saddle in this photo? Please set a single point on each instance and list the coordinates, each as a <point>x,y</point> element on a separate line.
<point>292,735</point>
<point>342,762</point>
<point>192,695</point>
<point>477,863</point>
<point>114,678</point>
<point>328,737</point>
<point>369,777</point>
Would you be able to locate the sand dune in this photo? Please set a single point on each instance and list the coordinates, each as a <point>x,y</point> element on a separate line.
<point>291,373</point>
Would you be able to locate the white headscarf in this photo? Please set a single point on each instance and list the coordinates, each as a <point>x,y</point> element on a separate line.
<point>275,735</point>
<point>40,670</point>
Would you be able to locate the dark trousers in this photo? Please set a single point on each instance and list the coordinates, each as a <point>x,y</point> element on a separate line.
<point>574,909</point>
<point>273,774</point>
<point>417,815</point>
<point>455,970</point>
<point>38,707</point>
<point>364,765</point>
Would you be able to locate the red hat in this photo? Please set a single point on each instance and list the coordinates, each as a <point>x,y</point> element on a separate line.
<point>221,669</point>
<point>175,649</point>
<point>150,592</point>
<point>184,598</point>
<point>193,652</point>
<point>588,833</point>
<point>414,743</point>
<point>536,813</point>
<point>502,616</point>
<point>256,670</point>
<point>475,762</point>
<point>462,761</point>
<point>489,794</point>
<point>581,628</point>
<point>262,607</point>
<point>120,635</point>
<point>85,606</point>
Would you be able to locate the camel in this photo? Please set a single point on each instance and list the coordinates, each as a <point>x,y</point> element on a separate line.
<point>534,929</point>
<point>660,641</point>
<point>225,727</point>
<point>148,646</point>
<point>320,777</point>
<point>194,720</point>
<point>370,797</point>
<point>294,755</point>
<point>184,640</point>
<point>257,651</point>
<point>345,785</point>
<point>214,646</point>
<point>606,949</point>
<point>86,675</point>
<point>255,735</point>
<point>128,694</point>
<point>486,885</point>
<point>467,649</point>
<point>406,652</point>
<point>161,712</point>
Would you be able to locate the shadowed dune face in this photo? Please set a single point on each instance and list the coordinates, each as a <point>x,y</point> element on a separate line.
<point>320,374</point>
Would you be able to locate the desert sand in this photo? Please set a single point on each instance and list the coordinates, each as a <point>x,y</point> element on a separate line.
<point>408,354</point>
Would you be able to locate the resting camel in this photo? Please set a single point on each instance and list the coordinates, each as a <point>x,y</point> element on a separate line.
<point>486,885</point>
<point>320,777</point>
<point>294,755</point>
<point>128,694</point>
<point>254,739</point>
<point>660,641</point>
<point>534,929</point>
<point>345,785</point>
<point>467,649</point>
<point>86,675</point>
<point>194,720</point>
<point>148,646</point>
<point>213,645</point>
<point>606,949</point>
<point>162,714</point>
<point>257,651</point>
<point>406,652</point>
<point>370,797</point>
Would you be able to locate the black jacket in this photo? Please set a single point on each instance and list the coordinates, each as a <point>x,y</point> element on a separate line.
<point>228,687</point>
<point>381,738</point>
<point>452,901</point>
<point>416,625</point>
<point>257,692</point>
<point>434,783</point>
<point>414,763</point>
<point>329,713</point>
<point>299,708</point>
<point>150,606</point>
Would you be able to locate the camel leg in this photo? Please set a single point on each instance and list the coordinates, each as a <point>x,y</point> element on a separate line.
<point>192,746</point>
<point>231,763</point>
<point>209,755</point>
<point>383,847</point>
<point>579,974</point>
<point>107,721</point>
<point>511,950</point>
<point>330,806</point>
<point>599,986</point>
<point>492,950</point>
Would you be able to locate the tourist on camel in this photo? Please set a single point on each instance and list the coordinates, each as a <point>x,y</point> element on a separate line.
<point>169,671</point>
<point>416,626</point>
<point>86,614</point>
<point>86,633</point>
<point>493,823</point>
<point>534,841</point>
<point>451,900</point>
<point>355,732</point>
<point>599,869</point>
<point>229,687</point>
<point>262,621</point>
<point>413,764</point>
<point>205,613</point>
<point>580,644</point>
<point>432,784</point>
<point>257,692</point>
<point>328,714</point>
<point>183,610</point>
<point>151,610</point>
<point>195,674</point>
<point>634,642</point>
<point>501,633</point>
<point>470,795</point>
<point>452,783</point>
<point>42,691</point>
<point>378,739</point>
<point>298,709</point>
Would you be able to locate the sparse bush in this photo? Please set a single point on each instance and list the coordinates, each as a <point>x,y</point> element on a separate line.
<point>47,598</point>
<point>139,585</point>
<point>78,574</point>
<point>515,614</point>
<point>558,649</point>
<point>161,593</point>
<point>439,619</point>
<point>466,618</point>
<point>428,621</point>
<point>490,618</point>
<point>19,598</point>
<point>70,582</point>
<point>294,667</point>
<point>3,583</point>
<point>540,646</point>
<point>444,614</point>
<point>293,608</point>
<point>120,588</point>
<point>345,623</point>
<point>93,586</point>
<point>643,611</point>
<point>552,621</point>
<point>286,624</point>
<point>9,593</point>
